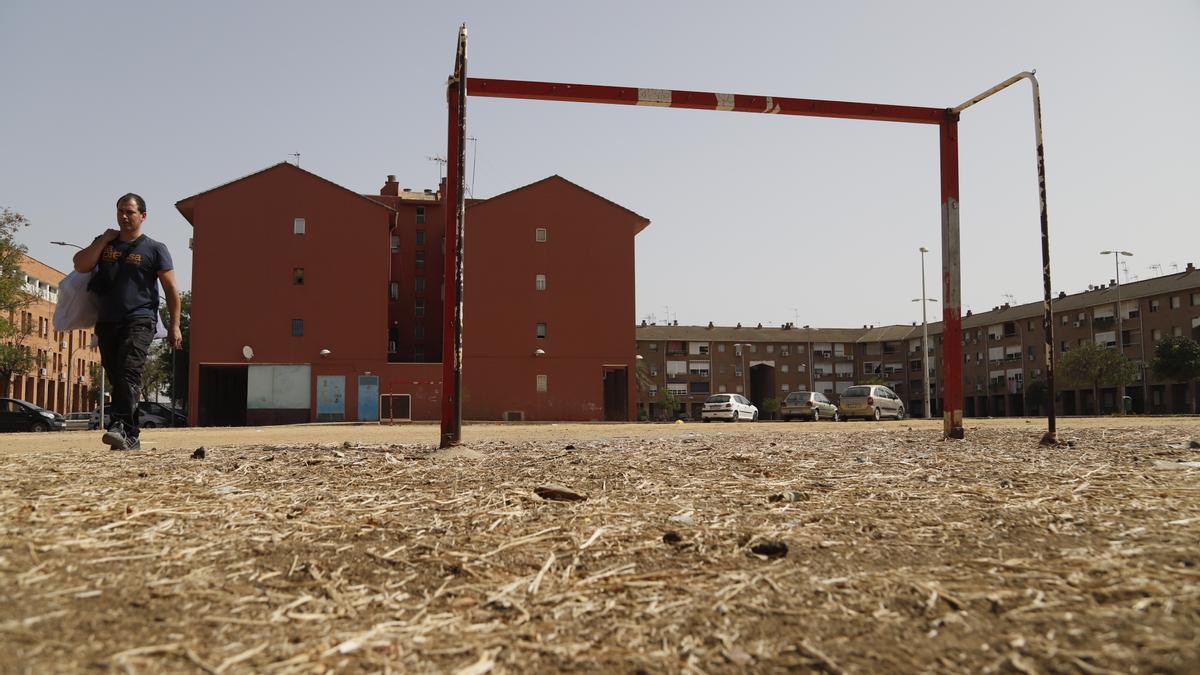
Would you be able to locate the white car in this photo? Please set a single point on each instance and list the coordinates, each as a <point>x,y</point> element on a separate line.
<point>728,407</point>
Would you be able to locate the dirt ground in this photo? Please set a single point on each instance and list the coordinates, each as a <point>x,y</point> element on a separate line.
<point>831,547</point>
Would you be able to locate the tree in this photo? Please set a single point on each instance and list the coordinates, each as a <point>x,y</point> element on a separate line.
<point>1177,359</point>
<point>154,376</point>
<point>670,404</point>
<point>93,392</point>
<point>1096,366</point>
<point>15,357</point>
<point>770,406</point>
<point>177,387</point>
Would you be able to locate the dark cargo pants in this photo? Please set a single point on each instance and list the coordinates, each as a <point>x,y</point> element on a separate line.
<point>123,349</point>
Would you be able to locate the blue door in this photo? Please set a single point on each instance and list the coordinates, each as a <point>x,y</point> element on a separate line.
<point>331,398</point>
<point>368,398</point>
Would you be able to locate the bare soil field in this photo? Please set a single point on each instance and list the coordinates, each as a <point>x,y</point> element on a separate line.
<point>836,548</point>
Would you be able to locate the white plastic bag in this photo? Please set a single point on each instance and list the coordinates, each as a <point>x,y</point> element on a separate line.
<point>77,307</point>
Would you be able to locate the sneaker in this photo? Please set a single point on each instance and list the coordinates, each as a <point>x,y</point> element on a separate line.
<point>133,443</point>
<point>115,438</point>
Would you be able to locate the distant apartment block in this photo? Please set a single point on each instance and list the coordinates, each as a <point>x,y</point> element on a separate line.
<point>62,360</point>
<point>1003,352</point>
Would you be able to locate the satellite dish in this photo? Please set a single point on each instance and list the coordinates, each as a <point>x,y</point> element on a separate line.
<point>247,352</point>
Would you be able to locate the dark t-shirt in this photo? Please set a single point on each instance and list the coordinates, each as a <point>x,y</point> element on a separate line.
<point>134,292</point>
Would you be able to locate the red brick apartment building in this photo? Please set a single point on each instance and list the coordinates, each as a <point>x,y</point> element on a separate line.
<point>61,374</point>
<point>311,302</point>
<point>1003,350</point>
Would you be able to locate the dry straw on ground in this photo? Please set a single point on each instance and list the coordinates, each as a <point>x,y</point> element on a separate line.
<point>905,553</point>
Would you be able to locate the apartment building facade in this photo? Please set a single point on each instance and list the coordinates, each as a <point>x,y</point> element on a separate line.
<point>311,302</point>
<point>1004,350</point>
<point>63,360</point>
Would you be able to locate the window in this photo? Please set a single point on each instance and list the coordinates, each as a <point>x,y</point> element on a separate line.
<point>1153,306</point>
<point>1175,302</point>
<point>539,282</point>
<point>653,346</point>
<point>419,331</point>
<point>721,347</point>
<point>770,349</point>
<point>297,327</point>
<point>783,368</point>
<point>419,284</point>
<point>1156,334</point>
<point>419,263</point>
<point>1064,319</point>
<point>298,276</point>
<point>298,226</point>
<point>419,307</point>
<point>1195,299</point>
<point>541,331</point>
<point>721,389</point>
<point>395,243</point>
<point>542,385</point>
<point>652,392</point>
<point>653,371</point>
<point>421,221</point>
<point>1176,331</point>
<point>784,387</point>
<point>394,290</point>
<point>421,234</point>
<point>539,234</point>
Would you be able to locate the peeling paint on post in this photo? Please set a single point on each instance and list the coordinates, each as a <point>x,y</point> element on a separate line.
<point>452,312</point>
<point>952,390</point>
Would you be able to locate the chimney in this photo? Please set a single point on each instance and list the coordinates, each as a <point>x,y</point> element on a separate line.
<point>675,323</point>
<point>710,324</point>
<point>1062,294</point>
<point>968,312</point>
<point>643,323</point>
<point>760,324</point>
<point>1190,268</point>
<point>1112,282</point>
<point>391,188</point>
<point>739,325</point>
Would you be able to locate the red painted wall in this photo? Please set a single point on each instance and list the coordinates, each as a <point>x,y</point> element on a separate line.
<point>242,290</point>
<point>588,304</point>
<point>244,251</point>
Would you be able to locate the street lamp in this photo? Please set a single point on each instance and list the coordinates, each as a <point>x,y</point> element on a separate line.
<point>1120,340</point>
<point>924,336</point>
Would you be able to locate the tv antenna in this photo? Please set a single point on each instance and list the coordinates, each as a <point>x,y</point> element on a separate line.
<point>441,162</point>
<point>1156,268</point>
<point>1012,300</point>
<point>297,156</point>
<point>474,156</point>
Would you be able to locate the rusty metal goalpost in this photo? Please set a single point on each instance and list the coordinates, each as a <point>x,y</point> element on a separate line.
<point>460,86</point>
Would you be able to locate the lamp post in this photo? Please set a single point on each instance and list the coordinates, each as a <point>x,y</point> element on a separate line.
<point>71,350</point>
<point>924,336</point>
<point>1120,340</point>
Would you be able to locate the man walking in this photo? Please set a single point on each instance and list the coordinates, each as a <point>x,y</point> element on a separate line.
<point>129,266</point>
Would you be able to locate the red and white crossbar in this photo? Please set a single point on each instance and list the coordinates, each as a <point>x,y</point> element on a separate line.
<point>702,100</point>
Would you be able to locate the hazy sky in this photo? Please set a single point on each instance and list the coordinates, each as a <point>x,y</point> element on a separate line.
<point>754,218</point>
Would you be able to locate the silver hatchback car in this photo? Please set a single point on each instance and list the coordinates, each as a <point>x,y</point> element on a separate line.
<point>870,401</point>
<point>807,405</point>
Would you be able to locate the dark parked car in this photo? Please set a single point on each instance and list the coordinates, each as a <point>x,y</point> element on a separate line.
<point>150,416</point>
<point>18,415</point>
